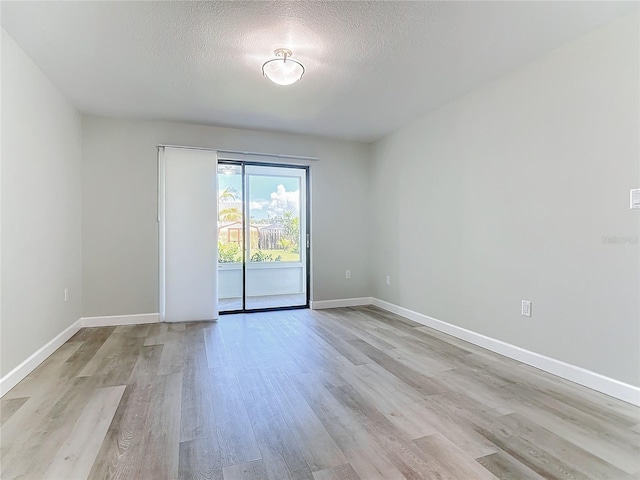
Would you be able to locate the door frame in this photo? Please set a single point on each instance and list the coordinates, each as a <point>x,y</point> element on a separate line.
<point>306,241</point>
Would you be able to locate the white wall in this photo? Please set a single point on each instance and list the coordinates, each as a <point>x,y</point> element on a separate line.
<point>120,232</point>
<point>41,188</point>
<point>515,192</point>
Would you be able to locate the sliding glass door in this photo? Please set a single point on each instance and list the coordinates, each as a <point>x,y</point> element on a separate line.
<point>263,241</point>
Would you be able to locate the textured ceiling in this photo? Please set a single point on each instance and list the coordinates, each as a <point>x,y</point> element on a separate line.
<point>371,67</point>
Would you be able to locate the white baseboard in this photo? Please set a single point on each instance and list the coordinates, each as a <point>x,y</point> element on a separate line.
<point>115,320</point>
<point>587,378</point>
<point>343,302</point>
<point>595,381</point>
<point>14,377</point>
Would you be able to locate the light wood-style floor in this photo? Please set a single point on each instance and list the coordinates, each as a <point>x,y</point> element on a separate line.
<point>351,393</point>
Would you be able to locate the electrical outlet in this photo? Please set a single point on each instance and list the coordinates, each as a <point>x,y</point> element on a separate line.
<point>388,279</point>
<point>347,274</point>
<point>66,294</point>
<point>634,198</point>
<point>526,308</point>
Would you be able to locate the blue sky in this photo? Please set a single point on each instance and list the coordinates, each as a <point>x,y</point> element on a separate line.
<point>270,195</point>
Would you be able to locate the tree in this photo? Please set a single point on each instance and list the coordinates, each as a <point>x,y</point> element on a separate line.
<point>231,214</point>
<point>291,223</point>
<point>229,194</point>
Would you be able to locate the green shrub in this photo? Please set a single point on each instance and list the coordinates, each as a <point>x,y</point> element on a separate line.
<point>229,253</point>
<point>264,257</point>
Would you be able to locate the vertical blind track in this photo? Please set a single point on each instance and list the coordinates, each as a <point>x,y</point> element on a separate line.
<point>240,152</point>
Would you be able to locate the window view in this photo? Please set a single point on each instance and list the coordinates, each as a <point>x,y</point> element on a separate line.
<point>274,207</point>
<point>230,217</point>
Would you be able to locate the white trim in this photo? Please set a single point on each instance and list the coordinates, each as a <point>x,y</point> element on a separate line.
<point>587,378</point>
<point>115,320</point>
<point>14,377</point>
<point>609,386</point>
<point>343,302</point>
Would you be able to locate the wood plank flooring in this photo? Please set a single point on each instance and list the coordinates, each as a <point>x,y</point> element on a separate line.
<point>341,394</point>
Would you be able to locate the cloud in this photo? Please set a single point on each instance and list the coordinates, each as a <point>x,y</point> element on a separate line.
<point>282,201</point>
<point>255,206</point>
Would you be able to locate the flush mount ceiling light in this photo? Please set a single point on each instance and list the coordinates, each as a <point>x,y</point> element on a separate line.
<point>283,69</point>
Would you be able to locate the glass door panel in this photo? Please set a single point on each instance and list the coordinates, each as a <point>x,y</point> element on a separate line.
<point>276,237</point>
<point>230,237</point>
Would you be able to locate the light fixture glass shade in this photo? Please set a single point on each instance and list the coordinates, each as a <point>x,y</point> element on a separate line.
<point>282,69</point>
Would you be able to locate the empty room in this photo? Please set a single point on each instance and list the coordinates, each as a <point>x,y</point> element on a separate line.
<point>323,240</point>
